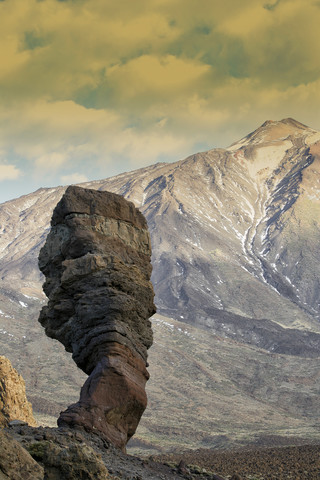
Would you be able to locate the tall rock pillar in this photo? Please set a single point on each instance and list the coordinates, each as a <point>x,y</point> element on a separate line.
<point>96,261</point>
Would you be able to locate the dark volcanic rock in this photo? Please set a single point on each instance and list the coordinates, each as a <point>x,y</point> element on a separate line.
<point>97,266</point>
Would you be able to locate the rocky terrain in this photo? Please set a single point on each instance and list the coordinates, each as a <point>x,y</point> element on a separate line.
<point>13,400</point>
<point>37,453</point>
<point>235,239</point>
<point>64,454</point>
<point>265,463</point>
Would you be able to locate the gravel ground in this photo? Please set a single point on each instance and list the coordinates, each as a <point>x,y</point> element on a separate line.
<point>280,463</point>
<point>255,463</point>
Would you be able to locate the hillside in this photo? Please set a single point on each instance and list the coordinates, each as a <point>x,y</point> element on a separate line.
<point>235,236</point>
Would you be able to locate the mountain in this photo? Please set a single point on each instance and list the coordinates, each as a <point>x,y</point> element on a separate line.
<point>235,237</point>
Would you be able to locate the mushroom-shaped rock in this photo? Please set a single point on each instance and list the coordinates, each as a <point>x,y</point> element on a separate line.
<point>96,261</point>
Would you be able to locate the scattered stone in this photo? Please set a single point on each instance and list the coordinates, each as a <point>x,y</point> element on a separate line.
<point>15,423</point>
<point>273,463</point>
<point>14,406</point>
<point>182,468</point>
<point>97,266</point>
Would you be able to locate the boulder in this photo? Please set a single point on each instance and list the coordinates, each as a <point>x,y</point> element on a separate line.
<point>13,401</point>
<point>96,261</point>
<point>15,462</point>
<point>68,462</point>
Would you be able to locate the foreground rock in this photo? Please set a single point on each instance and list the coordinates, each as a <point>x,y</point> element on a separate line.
<point>97,266</point>
<point>15,462</point>
<point>66,454</point>
<point>13,401</point>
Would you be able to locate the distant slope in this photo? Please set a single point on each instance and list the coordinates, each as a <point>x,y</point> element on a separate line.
<point>235,235</point>
<point>209,391</point>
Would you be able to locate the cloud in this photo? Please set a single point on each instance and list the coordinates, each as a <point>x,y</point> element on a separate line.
<point>99,54</point>
<point>60,48</point>
<point>271,6</point>
<point>51,161</point>
<point>73,178</point>
<point>62,136</point>
<point>49,132</point>
<point>152,75</point>
<point>275,49</point>
<point>9,172</point>
<point>98,87</point>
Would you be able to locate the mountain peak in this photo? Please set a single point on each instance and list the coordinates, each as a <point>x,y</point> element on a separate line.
<point>280,129</point>
<point>273,131</point>
<point>285,121</point>
<point>294,123</point>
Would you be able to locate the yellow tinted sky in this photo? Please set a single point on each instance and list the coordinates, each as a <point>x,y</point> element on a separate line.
<point>92,88</point>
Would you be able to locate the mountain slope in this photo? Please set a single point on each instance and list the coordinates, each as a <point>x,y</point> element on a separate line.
<point>235,236</point>
<point>207,390</point>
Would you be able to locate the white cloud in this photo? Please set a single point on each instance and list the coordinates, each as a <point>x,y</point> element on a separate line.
<point>51,160</point>
<point>157,75</point>
<point>73,178</point>
<point>9,172</point>
<point>55,136</point>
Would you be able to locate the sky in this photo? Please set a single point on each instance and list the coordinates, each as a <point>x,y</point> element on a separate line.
<point>93,88</point>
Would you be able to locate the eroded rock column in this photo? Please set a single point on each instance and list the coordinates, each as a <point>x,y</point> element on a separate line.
<point>97,266</point>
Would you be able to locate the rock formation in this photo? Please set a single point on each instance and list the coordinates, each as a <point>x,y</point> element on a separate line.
<point>68,460</point>
<point>13,401</point>
<point>97,266</point>
<point>15,462</point>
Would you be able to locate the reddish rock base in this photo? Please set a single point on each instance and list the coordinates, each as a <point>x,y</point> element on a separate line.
<point>112,399</point>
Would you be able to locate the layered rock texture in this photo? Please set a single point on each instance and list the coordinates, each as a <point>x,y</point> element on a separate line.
<point>13,401</point>
<point>96,260</point>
